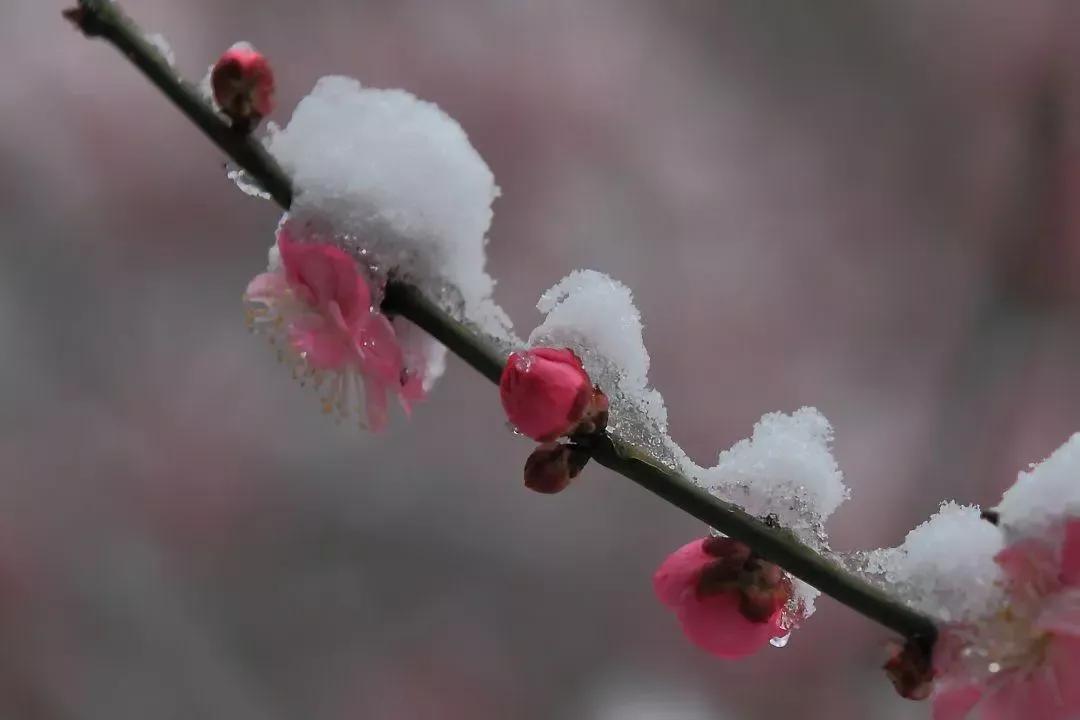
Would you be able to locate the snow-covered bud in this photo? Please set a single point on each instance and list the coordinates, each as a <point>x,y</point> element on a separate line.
<point>552,466</point>
<point>243,86</point>
<point>728,600</point>
<point>545,392</point>
<point>910,669</point>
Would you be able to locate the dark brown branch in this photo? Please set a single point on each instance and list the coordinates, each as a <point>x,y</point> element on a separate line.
<point>103,18</point>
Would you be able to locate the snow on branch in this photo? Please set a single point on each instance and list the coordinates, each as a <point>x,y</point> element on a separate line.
<point>388,208</point>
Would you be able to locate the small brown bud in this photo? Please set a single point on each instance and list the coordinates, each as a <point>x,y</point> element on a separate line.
<point>76,16</point>
<point>552,466</point>
<point>910,669</point>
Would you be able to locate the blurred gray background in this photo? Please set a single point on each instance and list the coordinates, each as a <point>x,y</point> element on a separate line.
<point>868,206</point>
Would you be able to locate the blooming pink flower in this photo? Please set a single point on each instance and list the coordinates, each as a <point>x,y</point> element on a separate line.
<point>728,600</point>
<point>243,86</point>
<point>322,305</point>
<point>545,392</point>
<point>1024,662</point>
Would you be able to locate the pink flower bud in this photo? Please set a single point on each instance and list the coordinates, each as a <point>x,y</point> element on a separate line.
<point>552,466</point>
<point>728,601</point>
<point>545,392</point>
<point>243,86</point>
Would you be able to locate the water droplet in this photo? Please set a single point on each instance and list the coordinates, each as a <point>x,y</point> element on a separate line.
<point>994,667</point>
<point>781,641</point>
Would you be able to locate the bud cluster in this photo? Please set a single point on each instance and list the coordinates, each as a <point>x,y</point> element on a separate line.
<point>547,395</point>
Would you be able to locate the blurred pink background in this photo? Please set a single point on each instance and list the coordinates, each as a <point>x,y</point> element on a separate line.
<point>871,207</point>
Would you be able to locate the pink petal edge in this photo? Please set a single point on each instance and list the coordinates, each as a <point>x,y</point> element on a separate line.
<point>956,702</point>
<point>678,574</point>
<point>716,625</point>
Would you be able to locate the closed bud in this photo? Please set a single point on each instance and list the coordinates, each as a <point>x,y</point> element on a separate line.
<point>545,392</point>
<point>728,602</point>
<point>243,86</point>
<point>552,466</point>
<point>910,669</point>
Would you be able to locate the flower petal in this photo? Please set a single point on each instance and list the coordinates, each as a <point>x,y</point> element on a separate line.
<point>716,625</point>
<point>379,350</point>
<point>319,342</point>
<point>321,273</point>
<point>1063,657</point>
<point>266,288</point>
<point>560,355</point>
<point>954,703</point>
<point>1031,696</point>
<point>1070,553</point>
<point>412,390</point>
<point>1060,613</point>
<point>677,576</point>
<point>1029,563</point>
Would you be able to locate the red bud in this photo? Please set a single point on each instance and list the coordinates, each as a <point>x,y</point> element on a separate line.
<point>243,86</point>
<point>552,466</point>
<point>545,392</point>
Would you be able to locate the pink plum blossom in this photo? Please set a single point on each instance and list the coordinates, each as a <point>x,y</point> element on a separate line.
<point>728,601</point>
<point>319,307</point>
<point>1024,662</point>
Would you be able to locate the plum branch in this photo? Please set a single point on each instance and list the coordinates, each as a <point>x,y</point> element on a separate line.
<point>105,19</point>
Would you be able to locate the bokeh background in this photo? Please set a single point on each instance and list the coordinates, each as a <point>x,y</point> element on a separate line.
<point>868,206</point>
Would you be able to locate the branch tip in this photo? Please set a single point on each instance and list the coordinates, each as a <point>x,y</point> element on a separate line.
<point>89,17</point>
<point>79,17</point>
